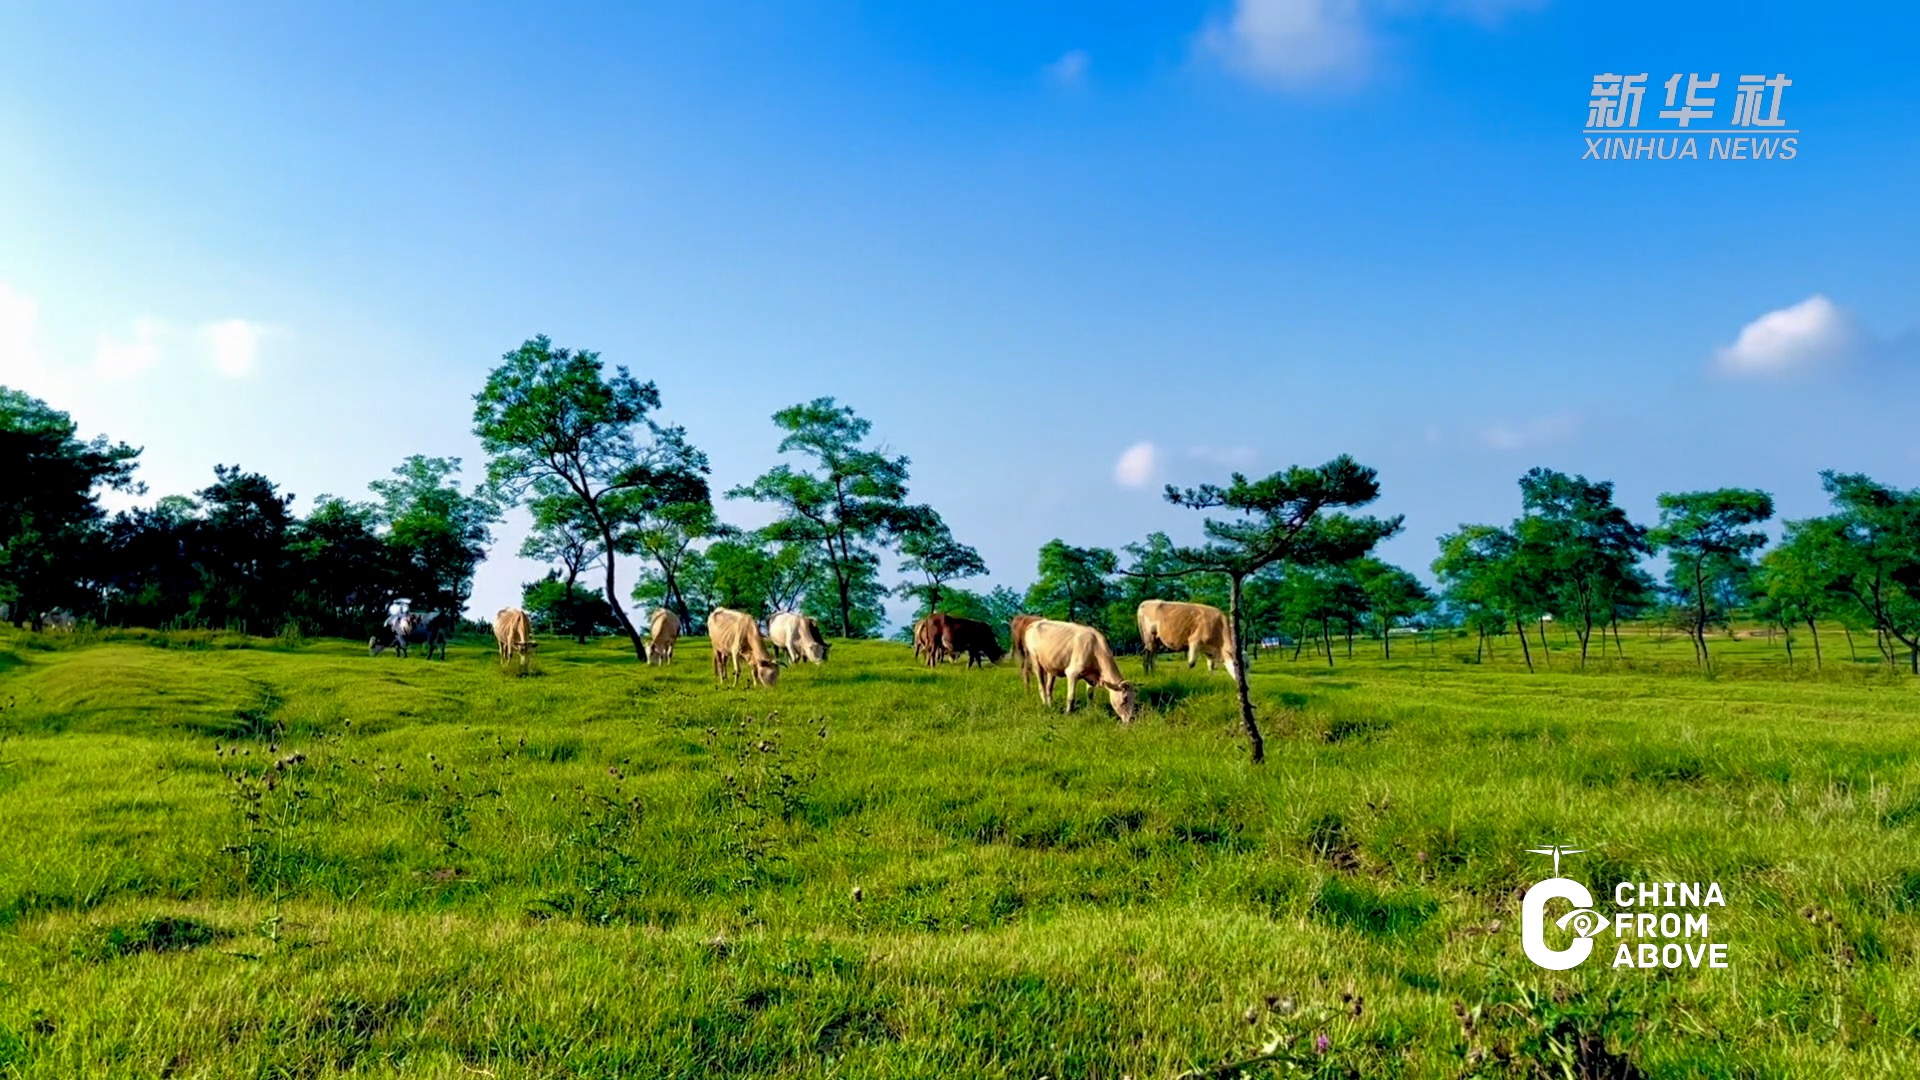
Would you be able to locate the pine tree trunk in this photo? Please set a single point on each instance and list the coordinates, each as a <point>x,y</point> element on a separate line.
<point>1255,744</point>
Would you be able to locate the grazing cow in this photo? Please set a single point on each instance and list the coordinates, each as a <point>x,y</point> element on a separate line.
<point>411,628</point>
<point>60,620</point>
<point>799,636</point>
<point>953,635</point>
<point>1201,629</point>
<point>1019,627</point>
<point>1081,654</point>
<point>923,643</point>
<point>514,631</point>
<point>662,631</point>
<point>735,635</point>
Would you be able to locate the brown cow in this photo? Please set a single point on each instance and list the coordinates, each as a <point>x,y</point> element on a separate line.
<point>1201,629</point>
<point>1019,627</point>
<point>954,635</point>
<point>926,644</point>
<point>799,636</point>
<point>514,631</point>
<point>735,634</point>
<point>1080,653</point>
<point>662,631</point>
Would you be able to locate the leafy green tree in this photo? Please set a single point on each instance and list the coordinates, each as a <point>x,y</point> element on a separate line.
<point>1876,555</point>
<point>853,500</point>
<point>929,549</point>
<point>344,571</point>
<point>1073,582</point>
<point>1291,516</point>
<point>440,532</point>
<point>565,533</point>
<point>852,597</point>
<point>1581,550</point>
<point>665,518</point>
<point>1710,538</point>
<point>1392,595</point>
<point>150,574</point>
<point>242,551</point>
<point>556,414</point>
<point>1800,579</point>
<point>49,502</point>
<point>1483,575</point>
<point>556,606</point>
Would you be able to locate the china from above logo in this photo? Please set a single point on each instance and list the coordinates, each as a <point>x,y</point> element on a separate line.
<point>1754,131</point>
<point>1686,936</point>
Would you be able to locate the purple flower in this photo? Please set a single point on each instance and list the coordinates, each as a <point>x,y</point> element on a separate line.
<point>1321,1044</point>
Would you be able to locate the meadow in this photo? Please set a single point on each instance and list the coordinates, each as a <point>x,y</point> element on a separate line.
<point>226,856</point>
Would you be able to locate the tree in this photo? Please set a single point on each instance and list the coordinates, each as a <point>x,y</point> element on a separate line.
<point>344,571</point>
<point>1072,585</point>
<point>50,485</point>
<point>1800,577</point>
<point>929,549</point>
<point>855,499</point>
<point>1290,516</point>
<point>565,533</point>
<point>1876,553</point>
<point>557,607</point>
<point>1581,549</point>
<point>242,550</point>
<point>666,517</point>
<point>1392,594</point>
<point>1478,568</point>
<point>554,413</point>
<point>1710,536</point>
<point>440,533</point>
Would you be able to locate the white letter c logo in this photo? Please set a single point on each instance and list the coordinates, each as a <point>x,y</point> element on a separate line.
<point>1533,919</point>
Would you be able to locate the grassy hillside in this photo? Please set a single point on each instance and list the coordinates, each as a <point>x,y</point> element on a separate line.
<point>231,857</point>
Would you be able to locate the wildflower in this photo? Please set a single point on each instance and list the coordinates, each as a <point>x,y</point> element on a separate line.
<point>1321,1044</point>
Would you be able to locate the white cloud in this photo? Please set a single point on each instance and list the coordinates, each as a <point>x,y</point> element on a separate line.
<point>1537,431</point>
<point>19,335</point>
<point>234,345</point>
<point>1070,69</point>
<point>1137,465</point>
<point>117,359</point>
<point>1294,44</point>
<point>1812,333</point>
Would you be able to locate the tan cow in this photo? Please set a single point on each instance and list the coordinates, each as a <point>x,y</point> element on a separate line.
<point>1200,629</point>
<point>514,632</point>
<point>799,636</point>
<point>735,634</point>
<point>925,645</point>
<point>663,629</point>
<point>1081,654</point>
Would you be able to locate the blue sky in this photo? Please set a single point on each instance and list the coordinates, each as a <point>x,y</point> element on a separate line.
<point>1024,240</point>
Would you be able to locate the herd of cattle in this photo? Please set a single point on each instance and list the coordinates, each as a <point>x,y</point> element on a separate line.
<point>1045,649</point>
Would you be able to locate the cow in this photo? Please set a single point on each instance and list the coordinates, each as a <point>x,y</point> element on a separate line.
<point>735,634</point>
<point>926,644</point>
<point>1080,653</point>
<point>1019,627</point>
<point>799,636</point>
<point>411,628</point>
<point>60,621</point>
<point>662,631</point>
<point>1200,629</point>
<point>514,631</point>
<point>953,635</point>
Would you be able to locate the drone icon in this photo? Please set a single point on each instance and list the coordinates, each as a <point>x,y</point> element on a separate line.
<point>1556,851</point>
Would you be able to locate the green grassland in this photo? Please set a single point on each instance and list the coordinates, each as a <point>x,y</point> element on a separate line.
<point>233,857</point>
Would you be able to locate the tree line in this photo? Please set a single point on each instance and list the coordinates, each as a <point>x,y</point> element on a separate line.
<point>605,478</point>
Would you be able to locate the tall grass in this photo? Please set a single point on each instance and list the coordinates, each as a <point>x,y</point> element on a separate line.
<point>292,859</point>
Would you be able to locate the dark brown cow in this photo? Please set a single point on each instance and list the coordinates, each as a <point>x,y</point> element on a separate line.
<point>955,635</point>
